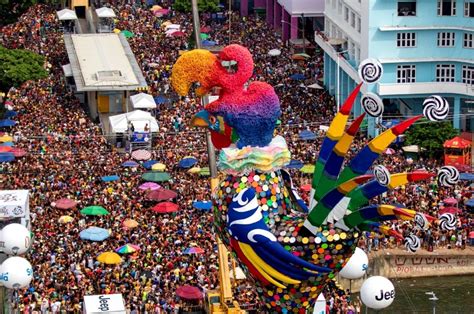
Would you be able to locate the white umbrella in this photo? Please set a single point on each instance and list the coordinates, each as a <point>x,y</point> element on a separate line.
<point>105,12</point>
<point>315,86</point>
<point>274,52</point>
<point>173,26</point>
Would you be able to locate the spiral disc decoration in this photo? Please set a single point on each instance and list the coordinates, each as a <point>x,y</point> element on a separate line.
<point>370,71</point>
<point>435,108</point>
<point>372,104</point>
<point>382,175</point>
<point>420,221</point>
<point>412,243</point>
<point>448,176</point>
<point>447,221</point>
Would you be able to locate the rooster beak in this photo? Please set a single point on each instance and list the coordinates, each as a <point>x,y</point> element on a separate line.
<point>201,119</point>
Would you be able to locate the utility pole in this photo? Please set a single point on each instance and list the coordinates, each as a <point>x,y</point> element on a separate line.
<point>304,39</point>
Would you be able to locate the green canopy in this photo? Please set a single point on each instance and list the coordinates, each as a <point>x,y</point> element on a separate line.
<point>308,168</point>
<point>205,171</point>
<point>156,176</point>
<point>127,34</point>
<point>204,36</point>
<point>94,210</point>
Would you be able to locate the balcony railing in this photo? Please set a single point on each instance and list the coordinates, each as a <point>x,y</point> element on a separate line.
<point>386,89</point>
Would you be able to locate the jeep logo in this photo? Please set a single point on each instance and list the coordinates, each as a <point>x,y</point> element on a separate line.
<point>103,303</point>
<point>385,296</point>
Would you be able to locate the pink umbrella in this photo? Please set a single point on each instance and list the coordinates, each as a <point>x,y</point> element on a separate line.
<point>152,186</point>
<point>178,34</point>
<point>189,292</point>
<point>450,201</point>
<point>389,151</point>
<point>65,203</point>
<point>205,29</point>
<point>450,210</point>
<point>165,208</point>
<point>141,154</point>
<point>163,11</point>
<point>18,152</point>
<point>161,195</point>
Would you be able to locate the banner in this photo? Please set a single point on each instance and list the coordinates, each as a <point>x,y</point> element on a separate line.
<point>13,203</point>
<point>104,303</point>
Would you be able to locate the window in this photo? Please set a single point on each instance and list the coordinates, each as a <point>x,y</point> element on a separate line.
<point>358,24</point>
<point>447,7</point>
<point>468,40</point>
<point>469,8</point>
<point>406,73</point>
<point>346,14</point>
<point>406,8</point>
<point>406,39</point>
<point>445,72</point>
<point>353,19</point>
<point>468,74</point>
<point>446,39</point>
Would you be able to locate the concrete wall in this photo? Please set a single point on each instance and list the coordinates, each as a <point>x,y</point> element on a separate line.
<point>411,265</point>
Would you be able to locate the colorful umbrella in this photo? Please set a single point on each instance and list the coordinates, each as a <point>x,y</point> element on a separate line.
<point>203,205</point>
<point>158,167</point>
<point>110,258</point>
<point>178,34</point>
<point>450,201</point>
<point>7,123</point>
<point>6,138</point>
<point>18,152</point>
<point>7,157</point>
<point>470,203</point>
<point>7,144</point>
<point>152,186</point>
<point>308,168</point>
<point>94,210</point>
<point>148,164</point>
<point>110,178</point>
<point>295,164</point>
<point>161,195</point>
<point>65,219</point>
<point>304,55</point>
<point>130,223</point>
<point>194,170</point>
<point>127,249</point>
<point>141,154</point>
<point>307,135</point>
<point>189,292</point>
<point>165,208</point>
<point>205,171</point>
<point>130,163</point>
<point>94,234</point>
<point>204,36</point>
<point>156,176</point>
<point>163,11</point>
<point>298,77</point>
<point>5,149</point>
<point>306,187</point>
<point>205,29</point>
<point>127,34</point>
<point>450,210</point>
<point>193,250</point>
<point>65,203</point>
<point>156,8</point>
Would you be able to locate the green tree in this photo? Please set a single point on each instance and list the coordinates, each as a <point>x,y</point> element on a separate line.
<point>431,136</point>
<point>203,5</point>
<point>18,66</point>
<point>10,10</point>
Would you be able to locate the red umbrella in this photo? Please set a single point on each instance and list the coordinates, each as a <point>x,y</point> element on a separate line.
<point>189,292</point>
<point>450,201</point>
<point>451,210</point>
<point>306,187</point>
<point>205,29</point>
<point>165,207</point>
<point>161,195</point>
<point>18,152</point>
<point>178,34</point>
<point>65,203</point>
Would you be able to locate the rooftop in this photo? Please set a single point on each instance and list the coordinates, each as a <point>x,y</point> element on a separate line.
<point>103,62</point>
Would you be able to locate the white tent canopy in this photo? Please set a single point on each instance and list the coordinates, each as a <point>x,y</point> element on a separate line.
<point>139,118</point>
<point>142,100</point>
<point>14,203</point>
<point>239,273</point>
<point>67,69</point>
<point>105,12</point>
<point>66,14</point>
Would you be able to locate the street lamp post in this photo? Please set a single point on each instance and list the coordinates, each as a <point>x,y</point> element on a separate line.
<point>434,299</point>
<point>304,37</point>
<point>338,96</point>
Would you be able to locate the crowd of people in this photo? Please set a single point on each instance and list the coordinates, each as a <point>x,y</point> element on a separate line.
<point>68,154</point>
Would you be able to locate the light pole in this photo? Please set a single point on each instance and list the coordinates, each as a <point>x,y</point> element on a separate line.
<point>434,299</point>
<point>300,29</point>
<point>338,96</point>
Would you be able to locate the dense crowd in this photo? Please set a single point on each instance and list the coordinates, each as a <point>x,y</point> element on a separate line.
<point>68,155</point>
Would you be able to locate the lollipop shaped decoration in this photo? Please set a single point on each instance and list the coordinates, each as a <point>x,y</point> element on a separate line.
<point>448,176</point>
<point>412,243</point>
<point>435,108</point>
<point>370,71</point>
<point>447,221</point>
<point>382,175</point>
<point>372,104</point>
<point>420,221</point>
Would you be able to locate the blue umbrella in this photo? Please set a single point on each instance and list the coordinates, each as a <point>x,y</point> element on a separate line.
<point>470,203</point>
<point>208,43</point>
<point>94,234</point>
<point>307,135</point>
<point>7,123</point>
<point>295,164</point>
<point>389,123</point>
<point>298,77</point>
<point>130,163</point>
<point>6,157</point>
<point>7,144</point>
<point>187,162</point>
<point>148,164</point>
<point>110,178</point>
<point>203,205</point>
<point>10,113</point>
<point>161,100</point>
<point>467,176</point>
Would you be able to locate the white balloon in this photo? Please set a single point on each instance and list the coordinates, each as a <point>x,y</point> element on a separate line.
<point>377,292</point>
<point>16,239</point>
<point>16,273</point>
<point>356,266</point>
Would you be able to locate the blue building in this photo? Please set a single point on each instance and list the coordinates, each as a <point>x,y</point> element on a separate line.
<point>426,47</point>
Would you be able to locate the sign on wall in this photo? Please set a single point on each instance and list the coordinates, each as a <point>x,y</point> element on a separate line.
<point>13,203</point>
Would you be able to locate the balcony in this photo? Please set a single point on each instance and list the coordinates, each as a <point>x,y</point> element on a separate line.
<point>428,88</point>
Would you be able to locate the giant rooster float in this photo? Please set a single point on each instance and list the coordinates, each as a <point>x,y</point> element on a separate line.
<point>290,249</point>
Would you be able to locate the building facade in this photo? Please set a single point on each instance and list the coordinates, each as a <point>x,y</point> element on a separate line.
<point>426,47</point>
